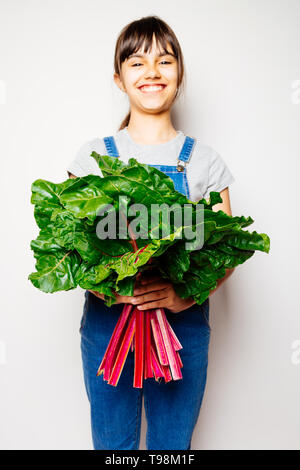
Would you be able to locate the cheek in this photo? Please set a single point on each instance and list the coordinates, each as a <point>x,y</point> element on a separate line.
<point>172,76</point>
<point>133,76</point>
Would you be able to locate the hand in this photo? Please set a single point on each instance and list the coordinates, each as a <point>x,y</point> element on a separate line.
<point>156,292</point>
<point>120,299</point>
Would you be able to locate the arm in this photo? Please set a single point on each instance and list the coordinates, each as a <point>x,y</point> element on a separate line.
<point>97,294</point>
<point>160,293</point>
<point>225,207</point>
<point>119,298</point>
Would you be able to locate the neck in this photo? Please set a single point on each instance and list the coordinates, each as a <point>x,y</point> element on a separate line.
<point>151,129</point>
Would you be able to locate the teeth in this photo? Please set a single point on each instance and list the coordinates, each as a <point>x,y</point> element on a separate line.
<point>152,87</point>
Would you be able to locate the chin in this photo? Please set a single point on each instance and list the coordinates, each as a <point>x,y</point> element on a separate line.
<point>155,110</point>
<point>156,107</point>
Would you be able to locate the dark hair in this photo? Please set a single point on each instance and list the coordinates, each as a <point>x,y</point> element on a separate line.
<point>141,31</point>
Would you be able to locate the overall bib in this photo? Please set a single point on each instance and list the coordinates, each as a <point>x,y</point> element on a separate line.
<point>172,408</point>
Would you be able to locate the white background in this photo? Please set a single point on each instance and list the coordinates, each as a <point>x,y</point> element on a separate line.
<point>242,98</point>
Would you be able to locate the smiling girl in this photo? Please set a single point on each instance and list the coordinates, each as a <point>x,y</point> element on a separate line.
<point>149,68</point>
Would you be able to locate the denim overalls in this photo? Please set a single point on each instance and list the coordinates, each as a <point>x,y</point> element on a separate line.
<point>171,408</point>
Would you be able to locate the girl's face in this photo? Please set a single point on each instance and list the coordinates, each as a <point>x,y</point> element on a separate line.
<point>149,79</point>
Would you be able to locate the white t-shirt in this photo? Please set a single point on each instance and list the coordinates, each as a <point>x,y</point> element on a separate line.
<point>206,170</point>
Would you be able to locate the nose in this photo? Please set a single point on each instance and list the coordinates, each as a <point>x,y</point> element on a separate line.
<point>152,72</point>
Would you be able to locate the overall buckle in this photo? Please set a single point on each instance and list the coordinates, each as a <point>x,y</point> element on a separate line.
<point>180,165</point>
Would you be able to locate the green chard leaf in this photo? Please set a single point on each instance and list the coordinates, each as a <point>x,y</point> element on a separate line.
<point>73,248</point>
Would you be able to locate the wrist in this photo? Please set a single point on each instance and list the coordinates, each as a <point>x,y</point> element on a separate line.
<point>189,302</point>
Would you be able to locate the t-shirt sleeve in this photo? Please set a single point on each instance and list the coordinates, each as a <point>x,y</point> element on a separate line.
<point>219,175</point>
<point>83,164</point>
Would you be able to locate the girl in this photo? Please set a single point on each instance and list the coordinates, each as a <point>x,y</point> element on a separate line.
<point>149,69</point>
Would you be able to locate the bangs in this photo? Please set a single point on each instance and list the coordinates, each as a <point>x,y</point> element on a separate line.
<point>139,36</point>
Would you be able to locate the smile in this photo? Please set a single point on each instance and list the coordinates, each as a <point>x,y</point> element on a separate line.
<point>152,88</point>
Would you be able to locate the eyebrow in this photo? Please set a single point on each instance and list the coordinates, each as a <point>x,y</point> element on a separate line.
<point>159,55</point>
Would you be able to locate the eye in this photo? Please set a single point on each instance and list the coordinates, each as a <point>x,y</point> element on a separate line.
<point>133,65</point>
<point>165,61</point>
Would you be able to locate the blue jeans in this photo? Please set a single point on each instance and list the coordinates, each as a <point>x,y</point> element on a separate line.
<point>171,408</point>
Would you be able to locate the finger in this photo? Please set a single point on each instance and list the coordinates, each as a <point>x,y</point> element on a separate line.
<point>150,287</point>
<point>97,294</point>
<point>155,295</point>
<point>162,303</point>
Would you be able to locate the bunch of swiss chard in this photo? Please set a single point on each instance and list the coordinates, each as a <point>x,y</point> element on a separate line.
<point>71,251</point>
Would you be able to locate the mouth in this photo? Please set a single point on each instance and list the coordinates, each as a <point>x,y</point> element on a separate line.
<point>152,88</point>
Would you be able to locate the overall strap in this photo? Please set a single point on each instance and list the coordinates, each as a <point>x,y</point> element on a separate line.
<point>185,153</point>
<point>111,147</point>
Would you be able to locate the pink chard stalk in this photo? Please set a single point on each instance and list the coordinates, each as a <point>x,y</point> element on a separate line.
<point>154,343</point>
<point>150,336</point>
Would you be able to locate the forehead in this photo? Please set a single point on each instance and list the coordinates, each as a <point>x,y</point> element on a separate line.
<point>155,49</point>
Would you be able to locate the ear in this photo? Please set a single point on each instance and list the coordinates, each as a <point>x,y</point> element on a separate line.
<point>119,82</point>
